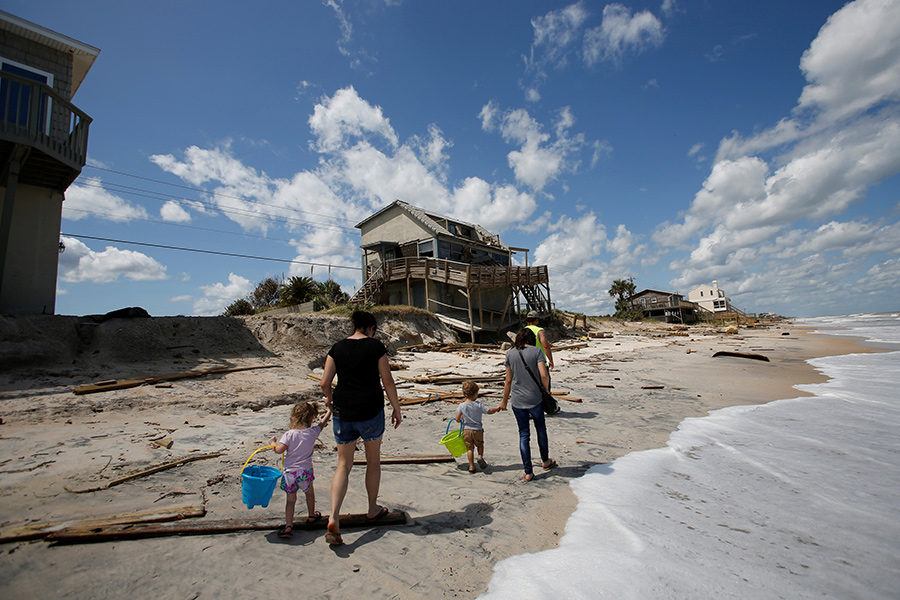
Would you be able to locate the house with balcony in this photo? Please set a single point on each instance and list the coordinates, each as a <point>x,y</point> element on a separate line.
<point>43,147</point>
<point>710,298</point>
<point>457,270</point>
<point>664,306</point>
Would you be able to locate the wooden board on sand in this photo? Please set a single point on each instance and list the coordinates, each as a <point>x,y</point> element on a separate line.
<point>204,527</point>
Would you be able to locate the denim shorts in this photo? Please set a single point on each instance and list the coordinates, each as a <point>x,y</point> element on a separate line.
<point>347,432</point>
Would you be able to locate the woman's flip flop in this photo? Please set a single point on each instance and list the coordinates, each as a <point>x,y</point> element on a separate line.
<point>381,513</point>
<point>549,465</point>
<point>333,537</point>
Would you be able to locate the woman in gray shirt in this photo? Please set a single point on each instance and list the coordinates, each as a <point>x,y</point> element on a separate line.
<point>522,391</point>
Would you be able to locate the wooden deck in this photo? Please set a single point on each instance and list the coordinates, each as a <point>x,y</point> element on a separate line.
<point>532,283</point>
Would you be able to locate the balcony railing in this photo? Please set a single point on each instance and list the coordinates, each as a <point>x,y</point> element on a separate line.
<point>32,114</point>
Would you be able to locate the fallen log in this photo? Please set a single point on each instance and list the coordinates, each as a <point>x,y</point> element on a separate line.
<point>570,346</point>
<point>203,527</point>
<point>602,385</point>
<point>742,355</point>
<point>141,473</point>
<point>36,531</point>
<point>410,460</point>
<point>457,379</point>
<point>121,384</point>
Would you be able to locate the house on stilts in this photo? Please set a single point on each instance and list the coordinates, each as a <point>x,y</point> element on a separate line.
<point>457,270</point>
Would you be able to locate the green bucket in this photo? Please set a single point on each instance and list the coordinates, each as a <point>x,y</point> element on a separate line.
<point>454,441</point>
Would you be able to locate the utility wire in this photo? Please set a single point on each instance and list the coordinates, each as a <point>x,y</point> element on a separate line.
<point>202,191</point>
<point>114,187</point>
<point>171,224</point>
<point>283,260</point>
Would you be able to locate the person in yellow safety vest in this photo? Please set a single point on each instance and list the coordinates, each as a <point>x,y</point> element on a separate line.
<point>531,322</point>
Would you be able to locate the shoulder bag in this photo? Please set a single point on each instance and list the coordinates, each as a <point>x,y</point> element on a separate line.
<point>551,406</point>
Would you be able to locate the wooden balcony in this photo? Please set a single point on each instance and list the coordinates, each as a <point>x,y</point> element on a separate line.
<point>533,283</point>
<point>446,271</point>
<point>42,131</point>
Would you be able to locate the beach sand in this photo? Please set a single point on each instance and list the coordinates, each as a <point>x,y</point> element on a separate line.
<point>459,524</point>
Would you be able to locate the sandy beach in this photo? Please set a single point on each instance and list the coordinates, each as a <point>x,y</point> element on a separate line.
<point>634,388</point>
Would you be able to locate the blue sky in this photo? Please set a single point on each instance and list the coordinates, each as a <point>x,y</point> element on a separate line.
<point>755,143</point>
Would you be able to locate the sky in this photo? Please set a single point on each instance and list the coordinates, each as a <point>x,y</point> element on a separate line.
<point>755,143</point>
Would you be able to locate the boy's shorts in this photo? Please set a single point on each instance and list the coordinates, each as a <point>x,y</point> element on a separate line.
<point>292,481</point>
<point>474,438</point>
<point>347,432</point>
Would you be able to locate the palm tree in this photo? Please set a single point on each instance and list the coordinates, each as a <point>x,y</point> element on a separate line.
<point>622,290</point>
<point>297,290</point>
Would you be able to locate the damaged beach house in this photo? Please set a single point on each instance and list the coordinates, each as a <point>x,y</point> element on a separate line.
<point>457,270</point>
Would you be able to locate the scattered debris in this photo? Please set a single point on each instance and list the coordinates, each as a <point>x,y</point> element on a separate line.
<point>36,531</point>
<point>121,384</point>
<point>742,355</point>
<point>150,471</point>
<point>204,527</point>
<point>411,459</point>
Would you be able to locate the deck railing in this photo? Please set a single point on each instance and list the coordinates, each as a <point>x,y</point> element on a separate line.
<point>454,273</point>
<point>33,114</point>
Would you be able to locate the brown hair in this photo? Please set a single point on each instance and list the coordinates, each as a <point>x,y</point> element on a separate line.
<point>362,320</point>
<point>303,413</point>
<point>525,337</point>
<point>470,389</point>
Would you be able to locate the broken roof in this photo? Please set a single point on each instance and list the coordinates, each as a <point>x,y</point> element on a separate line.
<point>432,221</point>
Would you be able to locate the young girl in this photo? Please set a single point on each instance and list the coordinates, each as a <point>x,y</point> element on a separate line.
<point>298,442</point>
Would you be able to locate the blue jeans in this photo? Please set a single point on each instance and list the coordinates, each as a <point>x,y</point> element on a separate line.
<point>536,414</point>
<point>347,432</point>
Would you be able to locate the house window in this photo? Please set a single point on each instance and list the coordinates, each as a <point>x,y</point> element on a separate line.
<point>15,97</point>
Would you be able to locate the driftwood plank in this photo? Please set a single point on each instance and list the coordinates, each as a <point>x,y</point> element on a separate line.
<point>742,355</point>
<point>411,459</point>
<point>36,531</point>
<point>121,384</point>
<point>204,527</point>
<point>141,473</point>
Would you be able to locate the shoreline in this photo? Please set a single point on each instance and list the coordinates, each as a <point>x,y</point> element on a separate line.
<point>461,524</point>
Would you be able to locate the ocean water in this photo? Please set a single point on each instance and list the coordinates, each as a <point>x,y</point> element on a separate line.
<point>798,498</point>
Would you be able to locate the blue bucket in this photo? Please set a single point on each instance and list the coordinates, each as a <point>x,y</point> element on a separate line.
<point>258,482</point>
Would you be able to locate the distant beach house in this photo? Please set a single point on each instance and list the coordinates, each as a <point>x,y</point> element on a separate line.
<point>710,298</point>
<point>664,306</point>
<point>457,270</point>
<point>43,147</point>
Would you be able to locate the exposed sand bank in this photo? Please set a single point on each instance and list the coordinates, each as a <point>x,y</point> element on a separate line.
<point>460,524</point>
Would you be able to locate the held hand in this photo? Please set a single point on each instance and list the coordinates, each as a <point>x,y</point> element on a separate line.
<point>273,440</point>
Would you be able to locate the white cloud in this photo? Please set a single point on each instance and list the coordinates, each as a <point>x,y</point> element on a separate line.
<point>538,161</point>
<point>554,34</point>
<point>79,263</point>
<point>345,117</point>
<point>853,64</point>
<point>172,211</point>
<point>217,296</point>
<point>767,216</point>
<point>89,198</point>
<point>620,33</point>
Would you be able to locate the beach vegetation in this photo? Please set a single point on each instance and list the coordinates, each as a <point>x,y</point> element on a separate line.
<point>622,290</point>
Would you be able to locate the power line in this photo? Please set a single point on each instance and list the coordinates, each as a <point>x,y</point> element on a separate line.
<point>171,224</point>
<point>124,189</point>
<point>283,260</point>
<point>202,191</point>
